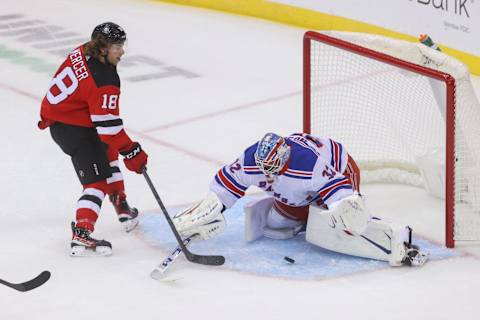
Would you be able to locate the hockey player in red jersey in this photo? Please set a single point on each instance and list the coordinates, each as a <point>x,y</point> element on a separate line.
<point>81,108</point>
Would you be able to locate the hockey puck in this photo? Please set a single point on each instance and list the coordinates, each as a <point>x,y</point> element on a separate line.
<point>288,259</point>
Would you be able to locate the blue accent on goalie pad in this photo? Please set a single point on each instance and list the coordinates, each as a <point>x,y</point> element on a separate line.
<point>266,256</point>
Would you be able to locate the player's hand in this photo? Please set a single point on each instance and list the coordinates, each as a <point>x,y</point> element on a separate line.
<point>135,158</point>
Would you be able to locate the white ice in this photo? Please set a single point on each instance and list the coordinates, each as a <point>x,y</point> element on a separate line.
<point>249,82</point>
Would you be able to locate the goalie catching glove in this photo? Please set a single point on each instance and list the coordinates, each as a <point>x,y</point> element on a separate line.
<point>204,219</point>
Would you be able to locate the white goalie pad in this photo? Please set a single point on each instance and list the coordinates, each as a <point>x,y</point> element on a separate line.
<point>204,218</point>
<point>352,213</point>
<point>256,213</point>
<point>262,219</point>
<point>348,228</point>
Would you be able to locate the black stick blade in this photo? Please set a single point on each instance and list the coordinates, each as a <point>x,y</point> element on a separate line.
<point>29,285</point>
<point>206,260</point>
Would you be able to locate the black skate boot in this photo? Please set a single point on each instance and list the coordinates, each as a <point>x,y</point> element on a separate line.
<point>126,215</point>
<point>403,252</point>
<point>83,245</point>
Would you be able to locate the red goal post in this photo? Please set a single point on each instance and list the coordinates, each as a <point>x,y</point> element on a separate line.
<point>391,103</point>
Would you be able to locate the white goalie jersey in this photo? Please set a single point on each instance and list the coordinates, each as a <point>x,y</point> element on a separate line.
<point>315,173</point>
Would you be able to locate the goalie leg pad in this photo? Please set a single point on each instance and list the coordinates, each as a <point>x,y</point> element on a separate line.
<point>326,230</point>
<point>256,213</point>
<point>352,213</point>
<point>381,240</point>
<point>262,219</point>
<point>204,218</point>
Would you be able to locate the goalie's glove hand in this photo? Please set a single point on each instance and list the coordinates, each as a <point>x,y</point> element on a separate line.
<point>135,158</point>
<point>208,230</point>
<point>204,218</point>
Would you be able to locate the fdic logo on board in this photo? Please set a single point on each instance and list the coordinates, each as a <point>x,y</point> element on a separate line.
<point>458,7</point>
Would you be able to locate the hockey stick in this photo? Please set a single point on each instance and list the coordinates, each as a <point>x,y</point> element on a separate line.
<point>195,258</point>
<point>159,272</point>
<point>29,285</point>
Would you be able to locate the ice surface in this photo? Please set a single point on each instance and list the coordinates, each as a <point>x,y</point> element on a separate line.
<point>242,77</point>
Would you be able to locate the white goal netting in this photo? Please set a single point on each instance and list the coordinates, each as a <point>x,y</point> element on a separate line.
<point>398,123</point>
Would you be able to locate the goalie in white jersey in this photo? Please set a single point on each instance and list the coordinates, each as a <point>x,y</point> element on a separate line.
<point>312,185</point>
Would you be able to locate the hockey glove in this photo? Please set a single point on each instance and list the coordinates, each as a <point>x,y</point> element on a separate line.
<point>204,218</point>
<point>135,158</point>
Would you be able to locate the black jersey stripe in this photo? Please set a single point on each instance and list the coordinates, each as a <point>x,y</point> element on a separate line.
<point>115,169</point>
<point>92,198</point>
<point>108,123</point>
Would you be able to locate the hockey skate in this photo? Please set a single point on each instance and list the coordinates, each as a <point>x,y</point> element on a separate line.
<point>126,215</point>
<point>404,253</point>
<point>83,245</point>
<point>413,256</point>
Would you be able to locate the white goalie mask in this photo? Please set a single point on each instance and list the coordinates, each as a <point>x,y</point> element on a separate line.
<point>272,154</point>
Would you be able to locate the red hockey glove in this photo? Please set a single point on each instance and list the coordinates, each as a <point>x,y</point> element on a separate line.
<point>134,158</point>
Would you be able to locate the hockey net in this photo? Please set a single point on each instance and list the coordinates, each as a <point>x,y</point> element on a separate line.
<point>401,109</point>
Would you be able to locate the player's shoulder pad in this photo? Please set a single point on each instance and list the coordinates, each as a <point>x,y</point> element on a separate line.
<point>102,74</point>
<point>249,165</point>
<point>301,158</point>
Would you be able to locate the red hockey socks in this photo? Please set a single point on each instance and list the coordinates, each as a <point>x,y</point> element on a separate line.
<point>90,203</point>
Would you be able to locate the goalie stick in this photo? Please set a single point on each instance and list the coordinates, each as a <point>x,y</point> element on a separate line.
<point>28,285</point>
<point>159,272</point>
<point>195,258</point>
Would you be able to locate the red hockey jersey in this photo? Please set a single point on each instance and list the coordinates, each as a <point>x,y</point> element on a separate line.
<point>85,92</point>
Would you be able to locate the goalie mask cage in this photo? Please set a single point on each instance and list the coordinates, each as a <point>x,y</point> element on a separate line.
<point>396,104</point>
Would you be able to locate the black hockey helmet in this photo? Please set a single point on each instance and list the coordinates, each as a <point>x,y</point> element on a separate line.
<point>110,32</point>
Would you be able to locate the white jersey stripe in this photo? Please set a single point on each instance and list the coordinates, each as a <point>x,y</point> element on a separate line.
<point>103,117</point>
<point>306,173</point>
<point>114,163</point>
<point>117,176</point>
<point>109,131</point>
<point>94,192</point>
<point>86,204</point>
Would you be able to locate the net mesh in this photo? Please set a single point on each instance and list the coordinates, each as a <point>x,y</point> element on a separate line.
<point>391,119</point>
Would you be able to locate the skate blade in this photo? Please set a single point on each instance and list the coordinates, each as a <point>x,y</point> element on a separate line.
<point>129,225</point>
<point>79,251</point>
